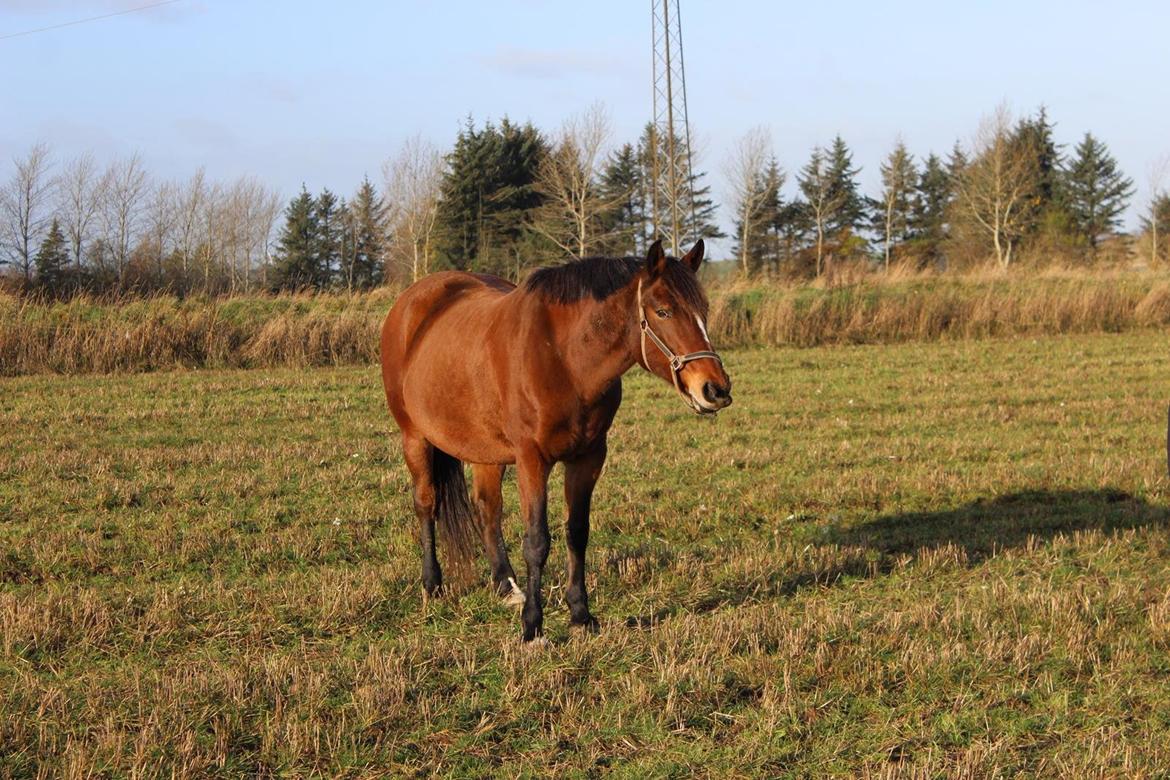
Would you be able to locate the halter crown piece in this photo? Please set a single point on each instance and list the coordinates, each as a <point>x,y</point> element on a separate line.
<point>676,361</point>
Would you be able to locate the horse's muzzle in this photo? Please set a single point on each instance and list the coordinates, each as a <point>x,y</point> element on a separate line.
<point>715,397</point>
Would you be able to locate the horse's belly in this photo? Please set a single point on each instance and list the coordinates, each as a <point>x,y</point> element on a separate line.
<point>450,409</point>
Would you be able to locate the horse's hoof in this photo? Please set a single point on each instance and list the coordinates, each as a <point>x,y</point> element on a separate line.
<point>515,596</point>
<point>539,642</point>
<point>590,625</point>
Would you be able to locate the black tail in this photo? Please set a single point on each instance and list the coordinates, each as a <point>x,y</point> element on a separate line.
<point>455,518</point>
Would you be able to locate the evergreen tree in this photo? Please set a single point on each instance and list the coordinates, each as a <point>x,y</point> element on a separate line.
<point>1156,225</point>
<point>850,212</point>
<point>1035,134</point>
<point>791,228</point>
<point>487,196</point>
<point>330,218</point>
<point>897,205</point>
<point>52,260</point>
<point>365,238</point>
<point>764,242</point>
<point>956,163</point>
<point>296,265</point>
<point>931,205</point>
<point>1096,192</point>
<point>703,219</point>
<point>621,185</point>
<point>821,201</point>
<point>772,244</point>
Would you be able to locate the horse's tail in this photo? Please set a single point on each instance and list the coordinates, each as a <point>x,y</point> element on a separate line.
<point>455,517</point>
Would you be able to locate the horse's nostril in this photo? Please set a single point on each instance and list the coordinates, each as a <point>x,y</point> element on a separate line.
<point>714,393</point>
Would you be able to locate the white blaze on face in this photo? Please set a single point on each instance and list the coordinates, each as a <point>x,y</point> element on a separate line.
<point>703,330</point>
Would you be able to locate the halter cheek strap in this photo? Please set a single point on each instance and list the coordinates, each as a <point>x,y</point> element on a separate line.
<point>676,361</point>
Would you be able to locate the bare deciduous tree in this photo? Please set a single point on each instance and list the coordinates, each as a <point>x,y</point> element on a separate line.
<point>125,190</point>
<point>412,191</point>
<point>79,198</point>
<point>993,188</point>
<point>161,218</point>
<point>1156,178</point>
<point>750,188</point>
<point>567,178</point>
<point>25,209</point>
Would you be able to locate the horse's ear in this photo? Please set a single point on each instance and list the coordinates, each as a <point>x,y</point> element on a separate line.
<point>655,260</point>
<point>694,258</point>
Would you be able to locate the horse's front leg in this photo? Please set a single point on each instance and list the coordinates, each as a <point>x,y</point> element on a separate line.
<point>532,478</point>
<point>580,477</point>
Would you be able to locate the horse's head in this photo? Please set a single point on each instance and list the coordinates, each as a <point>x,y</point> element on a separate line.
<point>672,312</point>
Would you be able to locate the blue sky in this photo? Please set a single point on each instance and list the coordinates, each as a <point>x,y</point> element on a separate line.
<point>322,93</point>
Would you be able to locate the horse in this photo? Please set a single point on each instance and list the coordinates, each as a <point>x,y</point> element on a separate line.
<point>478,370</point>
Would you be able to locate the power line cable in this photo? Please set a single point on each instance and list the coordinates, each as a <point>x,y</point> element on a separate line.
<point>89,19</point>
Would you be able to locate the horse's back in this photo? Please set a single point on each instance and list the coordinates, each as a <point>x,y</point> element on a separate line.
<point>433,297</point>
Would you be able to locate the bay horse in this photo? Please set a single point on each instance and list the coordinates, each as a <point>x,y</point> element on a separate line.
<point>480,371</point>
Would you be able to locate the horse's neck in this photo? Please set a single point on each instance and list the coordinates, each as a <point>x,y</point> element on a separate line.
<point>600,342</point>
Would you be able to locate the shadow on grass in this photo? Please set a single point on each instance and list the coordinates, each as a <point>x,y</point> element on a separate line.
<point>987,526</point>
<point>979,529</point>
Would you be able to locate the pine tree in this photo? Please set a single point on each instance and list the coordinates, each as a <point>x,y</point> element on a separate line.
<point>1096,192</point>
<point>621,184</point>
<point>703,219</point>
<point>296,265</point>
<point>488,195</point>
<point>763,241</point>
<point>365,238</point>
<point>932,202</point>
<point>1035,135</point>
<point>821,201</point>
<point>791,227</point>
<point>330,219</point>
<point>52,261</point>
<point>898,201</point>
<point>772,244</point>
<point>957,163</point>
<point>850,212</point>
<point>1156,224</point>
<point>461,198</point>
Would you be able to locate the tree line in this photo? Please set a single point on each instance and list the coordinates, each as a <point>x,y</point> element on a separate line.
<point>507,196</point>
<point>1012,190</point>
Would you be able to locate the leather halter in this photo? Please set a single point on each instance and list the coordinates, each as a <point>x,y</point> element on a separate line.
<point>676,361</point>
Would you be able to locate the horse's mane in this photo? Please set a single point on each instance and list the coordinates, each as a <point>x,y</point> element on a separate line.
<point>601,277</point>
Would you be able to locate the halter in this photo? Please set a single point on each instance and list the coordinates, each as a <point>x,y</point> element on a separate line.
<point>676,361</point>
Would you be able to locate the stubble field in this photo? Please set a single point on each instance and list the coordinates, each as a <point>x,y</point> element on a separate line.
<point>943,559</point>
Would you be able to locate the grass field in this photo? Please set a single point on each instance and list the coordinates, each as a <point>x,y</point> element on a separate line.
<point>945,559</point>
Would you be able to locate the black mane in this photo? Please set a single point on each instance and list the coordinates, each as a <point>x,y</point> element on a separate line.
<point>601,277</point>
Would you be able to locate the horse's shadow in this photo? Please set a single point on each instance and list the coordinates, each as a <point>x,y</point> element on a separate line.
<point>975,531</point>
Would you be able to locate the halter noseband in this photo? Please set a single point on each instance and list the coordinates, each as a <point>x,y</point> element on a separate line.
<point>676,361</point>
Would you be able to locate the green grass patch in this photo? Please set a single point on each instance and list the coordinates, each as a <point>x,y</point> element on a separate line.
<point>942,559</point>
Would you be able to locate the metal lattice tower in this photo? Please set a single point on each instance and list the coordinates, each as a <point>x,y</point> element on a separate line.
<point>672,198</point>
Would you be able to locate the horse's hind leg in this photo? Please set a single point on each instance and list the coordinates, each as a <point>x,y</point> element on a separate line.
<point>489,504</point>
<point>418,454</point>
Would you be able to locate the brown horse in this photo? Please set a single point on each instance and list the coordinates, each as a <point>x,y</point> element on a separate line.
<point>480,371</point>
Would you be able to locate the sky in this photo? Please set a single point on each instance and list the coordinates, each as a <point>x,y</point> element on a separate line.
<point>320,94</point>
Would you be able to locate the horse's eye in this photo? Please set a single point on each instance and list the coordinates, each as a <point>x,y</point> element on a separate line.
<point>663,313</point>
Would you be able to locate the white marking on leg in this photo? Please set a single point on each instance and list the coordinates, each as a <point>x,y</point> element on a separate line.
<point>515,597</point>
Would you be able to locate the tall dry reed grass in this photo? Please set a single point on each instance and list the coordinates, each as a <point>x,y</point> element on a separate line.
<point>89,335</point>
